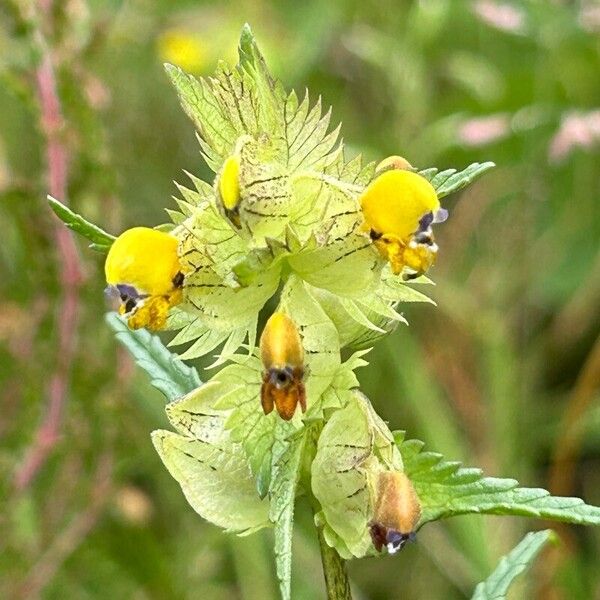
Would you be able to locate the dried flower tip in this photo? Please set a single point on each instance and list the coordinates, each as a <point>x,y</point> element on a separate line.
<point>399,207</point>
<point>393,162</point>
<point>396,513</point>
<point>283,360</point>
<point>143,267</point>
<point>229,189</point>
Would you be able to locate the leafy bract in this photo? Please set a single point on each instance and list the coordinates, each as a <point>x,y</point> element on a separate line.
<point>496,586</point>
<point>101,240</point>
<point>450,181</point>
<point>167,372</point>
<point>246,100</point>
<point>446,489</point>
<point>215,479</point>
<point>354,446</point>
<point>319,337</point>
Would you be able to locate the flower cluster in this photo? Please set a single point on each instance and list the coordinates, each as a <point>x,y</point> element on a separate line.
<point>337,242</point>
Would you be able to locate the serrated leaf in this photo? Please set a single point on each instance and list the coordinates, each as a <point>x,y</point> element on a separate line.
<point>167,372</point>
<point>445,489</point>
<point>496,586</point>
<point>286,471</point>
<point>215,480</point>
<point>450,181</point>
<point>101,240</point>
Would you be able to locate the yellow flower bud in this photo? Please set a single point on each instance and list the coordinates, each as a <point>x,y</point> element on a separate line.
<point>283,361</point>
<point>396,513</point>
<point>393,162</point>
<point>229,188</point>
<point>399,207</point>
<point>143,268</point>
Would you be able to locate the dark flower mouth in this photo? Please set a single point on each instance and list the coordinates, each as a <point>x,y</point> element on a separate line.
<point>281,378</point>
<point>128,296</point>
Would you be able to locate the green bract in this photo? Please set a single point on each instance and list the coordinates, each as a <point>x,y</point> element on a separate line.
<point>298,211</point>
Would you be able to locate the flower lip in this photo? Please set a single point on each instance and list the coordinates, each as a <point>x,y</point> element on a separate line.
<point>440,216</point>
<point>128,292</point>
<point>432,218</point>
<point>396,540</point>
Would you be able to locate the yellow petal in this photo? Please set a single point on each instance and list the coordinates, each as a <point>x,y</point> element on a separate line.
<point>396,200</point>
<point>229,183</point>
<point>145,259</point>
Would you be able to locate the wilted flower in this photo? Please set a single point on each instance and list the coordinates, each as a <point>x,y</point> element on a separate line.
<point>282,357</point>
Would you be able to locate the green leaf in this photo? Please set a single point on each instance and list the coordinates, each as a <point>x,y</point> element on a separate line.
<point>445,489</point>
<point>167,372</point>
<point>449,181</point>
<point>495,587</point>
<point>101,240</point>
<point>286,472</point>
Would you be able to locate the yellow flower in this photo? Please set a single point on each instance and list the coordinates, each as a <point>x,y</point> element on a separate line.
<point>399,207</point>
<point>183,49</point>
<point>143,268</point>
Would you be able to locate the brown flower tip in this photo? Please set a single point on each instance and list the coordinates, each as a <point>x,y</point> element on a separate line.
<point>397,512</point>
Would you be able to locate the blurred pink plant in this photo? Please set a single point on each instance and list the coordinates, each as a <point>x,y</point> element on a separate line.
<point>480,131</point>
<point>504,17</point>
<point>589,17</point>
<point>577,130</point>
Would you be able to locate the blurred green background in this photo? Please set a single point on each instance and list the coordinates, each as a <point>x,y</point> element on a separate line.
<point>503,374</point>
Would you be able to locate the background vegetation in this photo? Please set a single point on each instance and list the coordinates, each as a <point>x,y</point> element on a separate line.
<point>503,374</point>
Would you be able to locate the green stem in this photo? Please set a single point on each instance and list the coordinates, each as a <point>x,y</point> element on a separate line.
<point>334,569</point>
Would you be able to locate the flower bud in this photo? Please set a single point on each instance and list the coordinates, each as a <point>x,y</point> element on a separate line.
<point>396,511</point>
<point>142,268</point>
<point>229,189</point>
<point>283,361</point>
<point>393,162</point>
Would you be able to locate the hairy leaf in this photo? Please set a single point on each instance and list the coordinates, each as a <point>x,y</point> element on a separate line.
<point>167,372</point>
<point>101,240</point>
<point>496,586</point>
<point>445,489</point>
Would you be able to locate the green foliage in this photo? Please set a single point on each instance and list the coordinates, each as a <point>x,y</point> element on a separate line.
<point>287,462</point>
<point>362,318</point>
<point>101,240</point>
<point>446,489</point>
<point>167,372</point>
<point>450,181</point>
<point>496,586</point>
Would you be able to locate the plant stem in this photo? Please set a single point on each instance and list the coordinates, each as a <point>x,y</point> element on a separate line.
<point>334,569</point>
